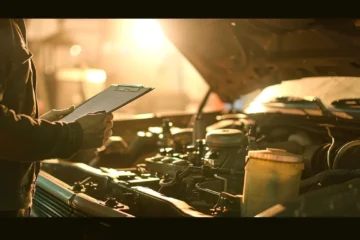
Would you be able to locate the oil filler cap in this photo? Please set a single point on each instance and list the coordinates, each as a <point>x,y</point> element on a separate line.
<point>225,138</point>
<point>273,154</point>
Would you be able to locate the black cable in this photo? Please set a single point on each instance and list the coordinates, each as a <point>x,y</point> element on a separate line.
<point>328,173</point>
<point>201,107</point>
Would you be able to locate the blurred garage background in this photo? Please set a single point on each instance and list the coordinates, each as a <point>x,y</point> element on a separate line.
<point>77,58</point>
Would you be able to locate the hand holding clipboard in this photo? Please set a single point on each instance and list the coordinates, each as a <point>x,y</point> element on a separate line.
<point>109,100</point>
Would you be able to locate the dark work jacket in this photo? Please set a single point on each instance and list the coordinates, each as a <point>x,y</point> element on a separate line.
<point>25,140</point>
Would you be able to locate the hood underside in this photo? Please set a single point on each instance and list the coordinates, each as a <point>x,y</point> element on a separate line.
<point>237,56</point>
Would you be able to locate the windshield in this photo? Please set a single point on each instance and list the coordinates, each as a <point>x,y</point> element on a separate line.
<point>327,89</point>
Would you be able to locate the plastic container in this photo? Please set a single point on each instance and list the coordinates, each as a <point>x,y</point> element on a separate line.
<point>272,176</point>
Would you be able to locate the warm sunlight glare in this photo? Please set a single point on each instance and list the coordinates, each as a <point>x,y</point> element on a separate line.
<point>75,50</point>
<point>90,75</point>
<point>148,34</point>
<point>95,75</point>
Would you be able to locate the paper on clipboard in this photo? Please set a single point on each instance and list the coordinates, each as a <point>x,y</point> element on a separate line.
<point>109,100</point>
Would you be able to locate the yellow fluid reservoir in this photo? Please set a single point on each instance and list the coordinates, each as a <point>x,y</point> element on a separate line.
<point>272,176</point>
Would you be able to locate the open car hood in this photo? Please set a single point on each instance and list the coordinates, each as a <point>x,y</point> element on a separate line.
<point>237,56</point>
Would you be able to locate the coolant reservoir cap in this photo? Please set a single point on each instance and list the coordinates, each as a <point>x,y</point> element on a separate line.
<point>225,138</point>
<point>273,154</point>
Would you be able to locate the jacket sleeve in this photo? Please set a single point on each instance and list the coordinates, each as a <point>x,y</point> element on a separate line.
<point>21,137</point>
<point>25,139</point>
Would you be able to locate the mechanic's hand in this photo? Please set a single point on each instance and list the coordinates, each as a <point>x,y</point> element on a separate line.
<point>55,114</point>
<point>96,129</point>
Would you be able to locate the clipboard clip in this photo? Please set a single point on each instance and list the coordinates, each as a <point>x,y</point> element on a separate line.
<point>128,88</point>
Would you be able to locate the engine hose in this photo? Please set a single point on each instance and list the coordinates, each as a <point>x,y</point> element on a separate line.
<point>330,148</point>
<point>224,180</point>
<point>197,186</point>
<point>328,173</point>
<point>343,150</point>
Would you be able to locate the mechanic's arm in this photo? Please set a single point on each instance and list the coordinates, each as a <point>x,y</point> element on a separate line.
<point>25,139</point>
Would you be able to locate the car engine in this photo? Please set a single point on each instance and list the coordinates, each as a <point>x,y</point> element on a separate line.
<point>245,165</point>
<point>295,157</point>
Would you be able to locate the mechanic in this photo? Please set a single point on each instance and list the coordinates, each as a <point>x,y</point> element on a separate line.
<point>26,139</point>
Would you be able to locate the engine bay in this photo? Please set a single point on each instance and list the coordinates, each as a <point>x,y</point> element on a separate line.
<point>241,165</point>
<point>291,156</point>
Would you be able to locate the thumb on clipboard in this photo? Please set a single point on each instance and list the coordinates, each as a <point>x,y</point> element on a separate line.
<point>57,114</point>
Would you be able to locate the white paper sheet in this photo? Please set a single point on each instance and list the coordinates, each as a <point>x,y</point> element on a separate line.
<point>109,100</point>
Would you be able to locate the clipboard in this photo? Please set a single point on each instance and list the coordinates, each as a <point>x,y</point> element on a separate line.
<point>109,100</point>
